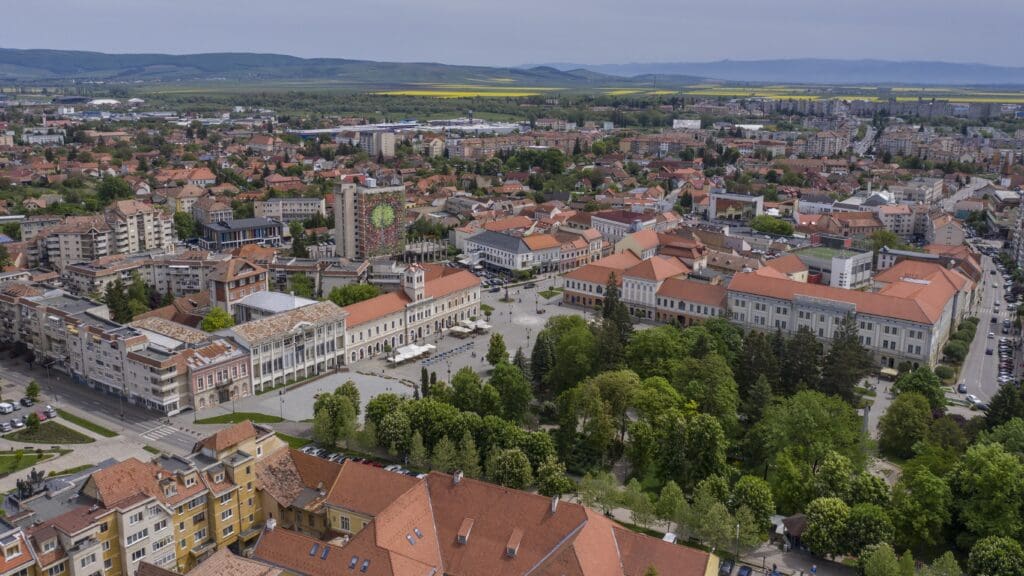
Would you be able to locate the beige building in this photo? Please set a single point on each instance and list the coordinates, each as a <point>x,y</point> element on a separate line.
<point>290,209</point>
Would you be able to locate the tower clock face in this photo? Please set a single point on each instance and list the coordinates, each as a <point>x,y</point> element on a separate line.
<point>382,216</point>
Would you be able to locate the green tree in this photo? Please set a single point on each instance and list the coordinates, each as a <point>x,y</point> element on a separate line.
<point>324,431</point>
<point>704,448</point>
<point>996,556</point>
<point>469,458</point>
<point>921,508</point>
<point>847,361</point>
<point>758,359</point>
<point>907,565</point>
<point>352,293</point>
<point>32,422</point>
<point>523,363</point>
<point>445,457</point>
<point>32,391</point>
<point>709,520</point>
<point>756,495</point>
<point>826,526</point>
<point>945,565</point>
<point>802,368</point>
<point>868,524</point>
<point>301,285</point>
<point>510,468</point>
<point>418,456</point>
<point>395,430</point>
<point>1007,404</point>
<point>117,302</point>
<point>880,560</point>
<point>672,506</point>
<point>759,396</point>
<point>866,488</point>
<point>988,492</point>
<point>833,476</point>
<point>113,188</point>
<point>639,503</point>
<point>771,225</point>
<point>885,238</point>
<point>552,479</point>
<point>924,382</point>
<point>350,391</point>
<point>904,424</point>
<point>298,234</point>
<point>496,351</point>
<point>542,358</point>
<point>514,390</point>
<point>216,319</point>
<point>575,352</point>
<point>5,256</point>
<point>641,447</point>
<point>600,491</point>
<point>614,311</point>
<point>185,225</point>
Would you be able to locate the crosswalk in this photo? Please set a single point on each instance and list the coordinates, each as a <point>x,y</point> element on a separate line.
<point>158,432</point>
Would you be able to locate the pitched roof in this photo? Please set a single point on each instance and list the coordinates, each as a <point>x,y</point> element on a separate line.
<point>788,264</point>
<point>228,437</point>
<point>223,562</point>
<point>693,291</point>
<point>657,268</point>
<point>147,569</point>
<point>278,324</point>
<point>126,479</point>
<point>923,305</point>
<point>367,489</point>
<point>376,307</point>
<point>541,241</point>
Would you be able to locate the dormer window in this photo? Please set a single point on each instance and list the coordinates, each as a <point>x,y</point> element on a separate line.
<point>12,550</point>
<point>219,478</point>
<point>190,481</point>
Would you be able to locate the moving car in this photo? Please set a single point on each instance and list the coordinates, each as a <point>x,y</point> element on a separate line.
<point>962,388</point>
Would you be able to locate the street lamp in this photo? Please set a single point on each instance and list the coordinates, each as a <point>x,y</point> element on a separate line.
<point>737,557</point>
<point>280,396</point>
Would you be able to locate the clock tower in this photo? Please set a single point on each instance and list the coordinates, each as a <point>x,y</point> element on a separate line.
<point>414,282</point>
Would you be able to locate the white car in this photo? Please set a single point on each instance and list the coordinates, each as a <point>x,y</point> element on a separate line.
<point>972,398</point>
<point>991,334</point>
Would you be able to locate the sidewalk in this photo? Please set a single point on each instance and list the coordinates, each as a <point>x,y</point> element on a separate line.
<point>118,448</point>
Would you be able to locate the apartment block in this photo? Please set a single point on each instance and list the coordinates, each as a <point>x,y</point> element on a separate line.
<point>369,220</point>
<point>290,209</point>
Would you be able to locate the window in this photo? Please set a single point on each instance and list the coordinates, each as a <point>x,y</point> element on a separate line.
<point>133,538</point>
<point>199,536</point>
<point>135,518</point>
<point>183,544</point>
<point>345,524</point>
<point>225,499</point>
<point>227,514</point>
<point>160,525</point>
<point>86,560</point>
<point>228,530</point>
<point>138,554</point>
<point>108,564</point>
<point>106,545</point>
<point>55,570</point>
<point>12,551</point>
<point>201,517</point>
<point>104,527</point>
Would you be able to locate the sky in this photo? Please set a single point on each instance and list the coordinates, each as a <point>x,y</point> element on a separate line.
<point>518,32</point>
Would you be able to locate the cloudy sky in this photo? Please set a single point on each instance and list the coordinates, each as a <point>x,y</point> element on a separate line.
<point>516,32</point>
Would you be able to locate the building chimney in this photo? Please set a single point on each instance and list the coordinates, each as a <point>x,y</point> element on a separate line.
<point>554,503</point>
<point>457,477</point>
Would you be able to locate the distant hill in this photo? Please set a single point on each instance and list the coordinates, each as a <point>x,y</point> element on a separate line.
<point>822,71</point>
<point>66,65</point>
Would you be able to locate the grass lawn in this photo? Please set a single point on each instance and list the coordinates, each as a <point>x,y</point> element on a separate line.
<point>70,470</point>
<point>49,433</point>
<point>10,463</point>
<point>293,441</point>
<point>90,426</point>
<point>236,417</point>
<point>550,293</point>
<point>151,449</point>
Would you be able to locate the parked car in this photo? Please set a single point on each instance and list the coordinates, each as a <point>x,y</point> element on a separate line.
<point>42,416</point>
<point>50,412</point>
<point>6,407</point>
<point>988,351</point>
<point>26,401</point>
<point>744,571</point>
<point>530,285</point>
<point>981,406</point>
<point>18,422</point>
<point>5,427</point>
<point>972,399</point>
<point>725,568</point>
<point>962,388</point>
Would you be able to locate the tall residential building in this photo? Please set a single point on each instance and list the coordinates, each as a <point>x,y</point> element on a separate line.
<point>127,227</point>
<point>172,512</point>
<point>369,220</point>
<point>378,144</point>
<point>290,209</point>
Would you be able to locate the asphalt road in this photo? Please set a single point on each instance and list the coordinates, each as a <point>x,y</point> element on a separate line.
<point>980,371</point>
<point>137,424</point>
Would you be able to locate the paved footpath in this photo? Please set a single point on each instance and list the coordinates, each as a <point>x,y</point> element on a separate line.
<point>118,447</point>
